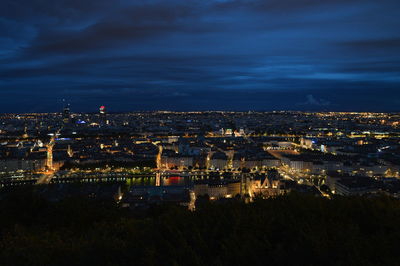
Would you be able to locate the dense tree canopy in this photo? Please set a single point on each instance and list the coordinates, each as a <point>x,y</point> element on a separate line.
<point>289,230</point>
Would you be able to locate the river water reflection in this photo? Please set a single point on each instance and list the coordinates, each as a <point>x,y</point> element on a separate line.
<point>164,181</point>
<point>152,180</point>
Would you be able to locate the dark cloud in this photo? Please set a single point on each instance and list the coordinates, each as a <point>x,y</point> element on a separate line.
<point>287,5</point>
<point>380,45</point>
<point>384,67</point>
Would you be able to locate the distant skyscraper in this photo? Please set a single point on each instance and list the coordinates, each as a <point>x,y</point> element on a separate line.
<point>102,110</point>
<point>103,114</point>
<point>66,114</point>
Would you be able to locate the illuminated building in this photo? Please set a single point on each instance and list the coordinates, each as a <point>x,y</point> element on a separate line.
<point>50,146</point>
<point>66,114</point>
<point>103,114</point>
<point>50,156</point>
<point>102,110</point>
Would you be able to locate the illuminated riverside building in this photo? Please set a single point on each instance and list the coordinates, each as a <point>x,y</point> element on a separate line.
<point>219,160</point>
<point>16,164</point>
<point>218,189</point>
<point>176,161</point>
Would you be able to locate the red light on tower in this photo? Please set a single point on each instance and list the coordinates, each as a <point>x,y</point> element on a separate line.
<point>102,109</point>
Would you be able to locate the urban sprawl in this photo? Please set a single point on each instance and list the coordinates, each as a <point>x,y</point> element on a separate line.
<point>144,158</point>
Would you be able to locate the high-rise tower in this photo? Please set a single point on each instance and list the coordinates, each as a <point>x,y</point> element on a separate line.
<point>103,114</point>
<point>66,114</point>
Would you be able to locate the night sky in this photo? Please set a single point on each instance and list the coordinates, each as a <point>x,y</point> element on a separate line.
<point>199,55</point>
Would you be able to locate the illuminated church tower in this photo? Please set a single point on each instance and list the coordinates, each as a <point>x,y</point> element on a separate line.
<point>49,146</point>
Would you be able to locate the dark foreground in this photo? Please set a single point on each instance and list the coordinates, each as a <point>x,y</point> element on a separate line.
<point>291,230</point>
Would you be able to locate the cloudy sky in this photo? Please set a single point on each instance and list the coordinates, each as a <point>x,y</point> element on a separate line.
<point>199,55</point>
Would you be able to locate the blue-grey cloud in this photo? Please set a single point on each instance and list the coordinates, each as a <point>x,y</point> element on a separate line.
<point>312,101</point>
<point>248,54</point>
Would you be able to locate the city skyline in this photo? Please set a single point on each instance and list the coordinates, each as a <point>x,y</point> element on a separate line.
<point>199,55</point>
<point>199,132</point>
<point>113,188</point>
